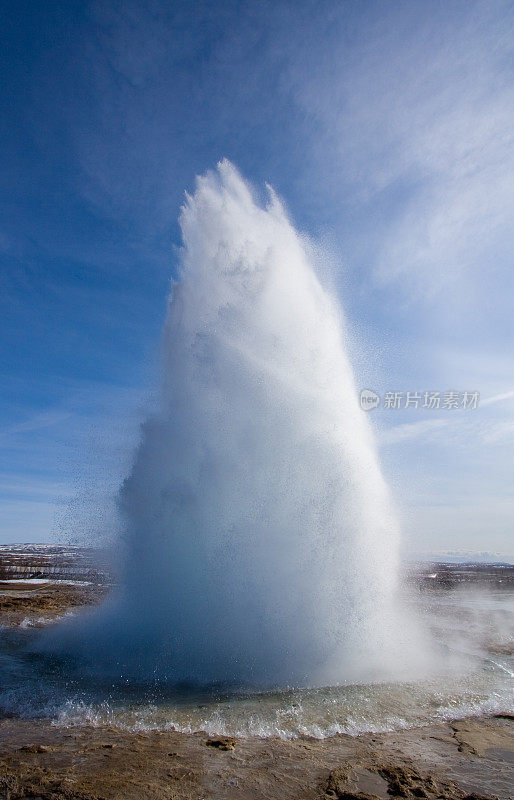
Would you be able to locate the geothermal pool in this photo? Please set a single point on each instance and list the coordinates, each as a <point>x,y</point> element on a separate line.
<point>472,625</point>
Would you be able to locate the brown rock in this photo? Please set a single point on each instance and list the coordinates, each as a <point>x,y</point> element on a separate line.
<point>222,742</point>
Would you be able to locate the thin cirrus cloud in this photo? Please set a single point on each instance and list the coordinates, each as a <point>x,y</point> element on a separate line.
<point>498,398</point>
<point>476,429</point>
<point>427,128</point>
<point>35,422</point>
<point>443,430</point>
<point>411,430</point>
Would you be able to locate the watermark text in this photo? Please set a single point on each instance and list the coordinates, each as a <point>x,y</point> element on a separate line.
<point>450,400</point>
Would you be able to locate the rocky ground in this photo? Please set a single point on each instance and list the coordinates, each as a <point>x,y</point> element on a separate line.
<point>40,604</point>
<point>471,758</point>
<point>467,759</point>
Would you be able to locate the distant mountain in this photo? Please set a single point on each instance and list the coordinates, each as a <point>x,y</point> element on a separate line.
<point>462,557</point>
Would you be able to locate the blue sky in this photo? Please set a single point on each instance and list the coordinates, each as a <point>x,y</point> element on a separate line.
<point>388,130</point>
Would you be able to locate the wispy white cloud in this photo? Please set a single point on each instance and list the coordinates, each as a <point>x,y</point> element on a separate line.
<point>411,430</point>
<point>456,427</point>
<point>419,106</point>
<point>35,422</point>
<point>498,432</point>
<point>22,487</point>
<point>498,398</point>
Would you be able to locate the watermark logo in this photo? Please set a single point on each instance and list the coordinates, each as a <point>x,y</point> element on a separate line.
<point>449,401</point>
<point>369,399</point>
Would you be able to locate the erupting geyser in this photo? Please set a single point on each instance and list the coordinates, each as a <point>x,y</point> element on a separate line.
<point>260,544</point>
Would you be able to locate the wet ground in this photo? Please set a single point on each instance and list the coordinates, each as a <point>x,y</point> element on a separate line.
<point>40,758</point>
<point>470,759</point>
